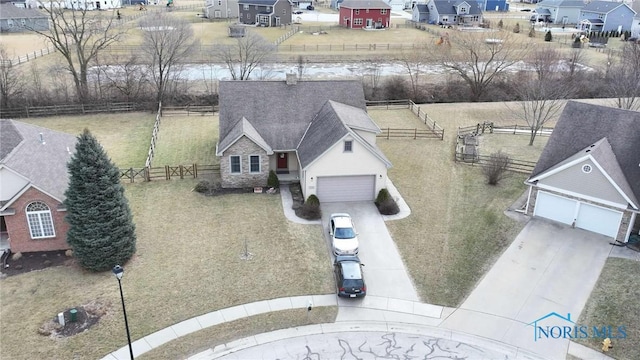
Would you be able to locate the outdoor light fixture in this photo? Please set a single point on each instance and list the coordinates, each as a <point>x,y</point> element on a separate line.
<point>118,271</point>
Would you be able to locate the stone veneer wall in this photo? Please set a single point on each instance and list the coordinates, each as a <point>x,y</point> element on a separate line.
<point>626,215</point>
<point>18,227</point>
<point>244,147</point>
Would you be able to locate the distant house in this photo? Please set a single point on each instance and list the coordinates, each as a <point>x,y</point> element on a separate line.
<point>34,177</point>
<point>335,4</point>
<point>14,19</point>
<point>369,14</point>
<point>559,11</point>
<point>606,16</point>
<point>221,9</point>
<point>266,13</point>
<point>420,13</point>
<point>493,5</point>
<point>92,5</point>
<point>454,12</point>
<point>396,5</point>
<point>635,26</point>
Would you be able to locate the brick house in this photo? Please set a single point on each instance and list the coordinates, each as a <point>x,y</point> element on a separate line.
<point>364,14</point>
<point>34,177</point>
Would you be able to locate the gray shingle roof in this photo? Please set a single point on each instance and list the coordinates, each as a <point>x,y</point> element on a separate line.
<point>9,11</point>
<point>562,3</point>
<point>257,2</point>
<point>243,128</point>
<point>446,7</point>
<point>45,165</point>
<point>365,4</point>
<point>601,7</point>
<point>422,8</point>
<point>281,113</point>
<point>582,125</point>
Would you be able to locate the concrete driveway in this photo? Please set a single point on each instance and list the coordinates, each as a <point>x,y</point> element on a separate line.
<point>548,268</point>
<point>384,269</point>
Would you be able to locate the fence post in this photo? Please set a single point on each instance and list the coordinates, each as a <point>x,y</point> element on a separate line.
<point>441,134</point>
<point>415,133</point>
<point>131,175</point>
<point>147,175</point>
<point>167,174</point>
<point>181,173</point>
<point>195,171</point>
<point>477,128</point>
<point>388,132</point>
<point>515,127</point>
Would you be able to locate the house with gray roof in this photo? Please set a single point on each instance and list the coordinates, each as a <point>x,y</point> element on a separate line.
<point>317,133</point>
<point>34,177</point>
<point>420,13</point>
<point>221,9</point>
<point>559,11</point>
<point>588,174</point>
<point>598,16</point>
<point>454,12</point>
<point>15,19</point>
<point>266,13</point>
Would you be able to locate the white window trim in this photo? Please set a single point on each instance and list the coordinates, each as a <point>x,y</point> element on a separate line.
<point>40,219</point>
<point>259,164</point>
<point>231,165</point>
<point>350,142</point>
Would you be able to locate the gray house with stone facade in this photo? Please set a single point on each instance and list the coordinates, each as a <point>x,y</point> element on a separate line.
<point>588,174</point>
<point>317,133</point>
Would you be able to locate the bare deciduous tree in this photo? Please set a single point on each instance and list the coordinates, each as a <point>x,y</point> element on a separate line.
<point>574,62</point>
<point>541,101</point>
<point>167,40</point>
<point>79,35</point>
<point>301,64</point>
<point>414,62</point>
<point>623,78</point>
<point>126,77</point>
<point>545,62</point>
<point>496,167</point>
<point>478,60</point>
<point>10,81</point>
<point>245,55</point>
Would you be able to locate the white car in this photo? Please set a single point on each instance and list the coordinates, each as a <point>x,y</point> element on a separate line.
<point>344,238</point>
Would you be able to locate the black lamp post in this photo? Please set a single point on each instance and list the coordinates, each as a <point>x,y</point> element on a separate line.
<point>118,271</point>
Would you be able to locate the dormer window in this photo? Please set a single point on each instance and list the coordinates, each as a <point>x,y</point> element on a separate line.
<point>348,146</point>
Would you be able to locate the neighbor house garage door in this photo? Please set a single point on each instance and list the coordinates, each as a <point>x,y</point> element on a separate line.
<point>588,217</point>
<point>346,188</point>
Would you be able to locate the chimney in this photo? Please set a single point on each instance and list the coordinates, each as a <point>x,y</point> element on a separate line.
<point>292,79</point>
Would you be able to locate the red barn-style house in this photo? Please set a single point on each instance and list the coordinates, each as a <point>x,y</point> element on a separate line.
<point>365,14</point>
<point>33,178</point>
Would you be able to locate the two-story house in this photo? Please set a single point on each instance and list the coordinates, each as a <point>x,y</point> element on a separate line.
<point>221,9</point>
<point>454,12</point>
<point>358,14</point>
<point>600,16</point>
<point>265,12</point>
<point>559,11</point>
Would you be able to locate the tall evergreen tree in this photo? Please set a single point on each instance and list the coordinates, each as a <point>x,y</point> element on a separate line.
<point>102,233</point>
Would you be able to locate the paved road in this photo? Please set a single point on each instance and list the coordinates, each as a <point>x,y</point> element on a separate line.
<point>384,270</point>
<point>548,268</point>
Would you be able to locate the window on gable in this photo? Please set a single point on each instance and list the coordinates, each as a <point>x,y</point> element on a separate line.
<point>356,11</point>
<point>234,163</point>
<point>463,10</point>
<point>383,11</point>
<point>269,8</point>
<point>254,163</point>
<point>245,7</point>
<point>348,146</point>
<point>40,220</point>
<point>219,2</point>
<point>367,11</point>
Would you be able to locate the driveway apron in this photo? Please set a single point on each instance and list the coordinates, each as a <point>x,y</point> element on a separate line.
<point>384,270</point>
<point>548,268</point>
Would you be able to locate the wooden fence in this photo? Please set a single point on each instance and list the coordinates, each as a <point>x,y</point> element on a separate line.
<point>519,166</point>
<point>434,130</point>
<point>189,110</point>
<point>490,128</point>
<point>168,172</point>
<point>69,109</point>
<point>437,129</point>
<point>154,137</point>
<point>408,133</point>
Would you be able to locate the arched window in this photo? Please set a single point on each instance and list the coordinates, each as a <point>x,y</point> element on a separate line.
<point>40,221</point>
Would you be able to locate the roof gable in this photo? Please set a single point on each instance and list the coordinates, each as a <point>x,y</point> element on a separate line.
<point>562,3</point>
<point>240,129</point>
<point>602,7</point>
<point>582,125</point>
<point>448,7</point>
<point>41,155</point>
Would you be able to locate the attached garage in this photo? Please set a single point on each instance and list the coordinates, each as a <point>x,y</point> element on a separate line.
<point>346,188</point>
<point>587,216</point>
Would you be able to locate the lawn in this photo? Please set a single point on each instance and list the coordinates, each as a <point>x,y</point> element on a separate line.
<point>614,302</point>
<point>125,136</point>
<point>187,140</point>
<point>448,241</point>
<point>187,261</point>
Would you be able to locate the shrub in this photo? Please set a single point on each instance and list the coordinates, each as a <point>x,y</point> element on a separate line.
<point>383,195</point>
<point>310,210</point>
<point>388,207</point>
<point>495,169</point>
<point>548,37</point>
<point>532,32</point>
<point>516,29</point>
<point>273,181</point>
<point>500,24</point>
<point>203,186</point>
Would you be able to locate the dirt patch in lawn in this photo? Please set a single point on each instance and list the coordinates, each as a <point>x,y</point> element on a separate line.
<point>19,263</point>
<point>76,320</point>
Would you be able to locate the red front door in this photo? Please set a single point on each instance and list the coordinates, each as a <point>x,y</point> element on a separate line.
<point>283,161</point>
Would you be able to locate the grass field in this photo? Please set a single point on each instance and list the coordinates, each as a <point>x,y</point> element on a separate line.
<point>614,302</point>
<point>192,140</point>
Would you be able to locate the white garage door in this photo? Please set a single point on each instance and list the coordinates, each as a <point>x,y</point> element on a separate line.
<point>555,208</point>
<point>346,188</point>
<point>599,220</point>
<point>589,217</point>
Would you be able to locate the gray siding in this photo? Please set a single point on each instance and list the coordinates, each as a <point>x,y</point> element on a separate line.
<point>558,13</point>
<point>622,16</point>
<point>593,184</point>
<point>223,9</point>
<point>282,10</point>
<point>24,24</point>
<point>244,148</point>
